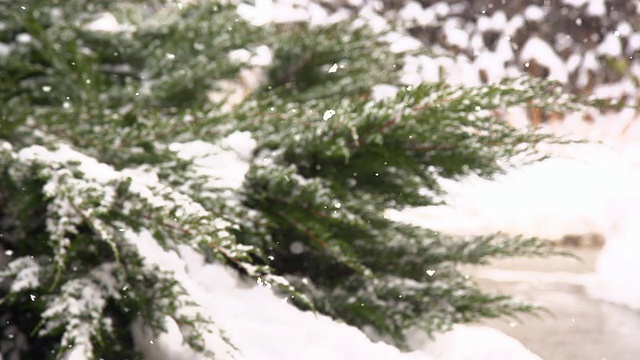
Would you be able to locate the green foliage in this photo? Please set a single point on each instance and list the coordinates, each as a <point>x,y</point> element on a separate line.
<point>90,181</point>
<point>303,61</point>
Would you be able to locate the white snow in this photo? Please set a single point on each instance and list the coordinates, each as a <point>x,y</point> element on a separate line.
<point>426,17</point>
<point>625,86</point>
<point>634,43</point>
<point>340,15</point>
<point>540,51</point>
<point>405,43</point>
<point>624,29</point>
<point>262,57</point>
<point>575,3</point>
<point>455,35</point>
<point>328,114</point>
<point>369,17</point>
<point>27,272</point>
<point>268,11</point>
<point>409,10</point>
<point>493,62</point>
<point>594,7</point>
<point>441,9</point>
<point>610,46</point>
<point>495,22</point>
<point>473,343</point>
<point>4,49</point>
<point>573,62</point>
<point>80,307</point>
<point>422,68</point>
<point>24,38</point>
<point>318,15</point>
<point>224,164</point>
<point>585,188</point>
<point>413,11</point>
<point>597,8</point>
<point>563,41</point>
<point>589,64</point>
<point>88,165</point>
<point>169,345</point>
<point>240,55</point>
<point>108,23</point>
<point>515,23</point>
<point>263,326</point>
<point>383,91</point>
<point>635,70</point>
<point>534,13</point>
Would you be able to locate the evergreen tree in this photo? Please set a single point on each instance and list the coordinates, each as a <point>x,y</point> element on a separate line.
<point>91,176</point>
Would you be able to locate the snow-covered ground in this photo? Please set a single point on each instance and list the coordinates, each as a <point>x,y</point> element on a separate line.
<point>263,326</point>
